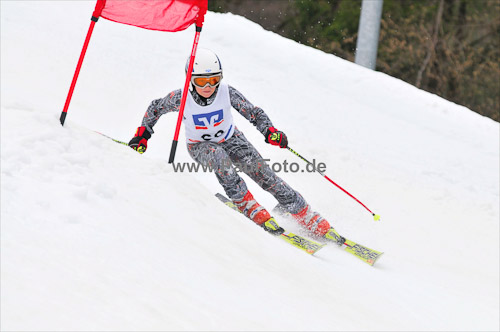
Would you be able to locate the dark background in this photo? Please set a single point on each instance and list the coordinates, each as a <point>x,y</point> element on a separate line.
<point>447,47</point>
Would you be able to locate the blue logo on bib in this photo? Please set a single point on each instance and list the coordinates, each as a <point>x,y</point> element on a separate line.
<point>212,119</point>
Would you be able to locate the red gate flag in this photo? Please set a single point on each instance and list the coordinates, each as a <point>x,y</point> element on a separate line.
<point>162,15</point>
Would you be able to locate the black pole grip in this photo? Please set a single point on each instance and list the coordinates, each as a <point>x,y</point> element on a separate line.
<point>172,151</point>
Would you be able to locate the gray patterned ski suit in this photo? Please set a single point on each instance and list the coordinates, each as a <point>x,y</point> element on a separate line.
<point>236,150</point>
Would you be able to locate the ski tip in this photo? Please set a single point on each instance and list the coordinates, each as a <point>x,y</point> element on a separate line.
<point>306,245</point>
<point>315,249</point>
<point>374,260</point>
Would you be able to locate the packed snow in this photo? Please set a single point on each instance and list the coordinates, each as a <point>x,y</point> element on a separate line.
<point>97,237</point>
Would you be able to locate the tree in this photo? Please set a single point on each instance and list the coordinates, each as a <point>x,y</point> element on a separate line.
<point>447,47</point>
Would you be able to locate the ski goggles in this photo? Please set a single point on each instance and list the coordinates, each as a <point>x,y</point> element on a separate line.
<point>202,81</point>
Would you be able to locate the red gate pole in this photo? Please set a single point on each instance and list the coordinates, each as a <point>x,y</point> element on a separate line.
<point>185,91</point>
<point>95,16</point>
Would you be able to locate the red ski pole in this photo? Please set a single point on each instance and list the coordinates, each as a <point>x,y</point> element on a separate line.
<point>375,216</point>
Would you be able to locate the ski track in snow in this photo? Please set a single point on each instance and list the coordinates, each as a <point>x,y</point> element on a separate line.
<point>95,236</point>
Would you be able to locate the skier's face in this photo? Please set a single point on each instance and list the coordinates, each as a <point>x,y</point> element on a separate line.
<point>206,91</point>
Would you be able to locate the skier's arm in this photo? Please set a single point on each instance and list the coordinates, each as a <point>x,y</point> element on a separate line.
<point>158,107</point>
<point>258,118</point>
<point>254,114</point>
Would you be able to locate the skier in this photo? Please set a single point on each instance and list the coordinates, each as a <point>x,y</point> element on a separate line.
<point>213,140</point>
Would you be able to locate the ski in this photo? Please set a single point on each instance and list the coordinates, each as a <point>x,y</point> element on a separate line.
<point>111,138</point>
<point>366,254</point>
<point>297,241</point>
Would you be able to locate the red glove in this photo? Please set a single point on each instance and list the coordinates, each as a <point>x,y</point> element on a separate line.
<point>140,141</point>
<point>276,137</point>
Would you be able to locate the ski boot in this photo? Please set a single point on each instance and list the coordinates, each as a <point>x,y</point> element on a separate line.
<point>254,211</point>
<point>318,225</point>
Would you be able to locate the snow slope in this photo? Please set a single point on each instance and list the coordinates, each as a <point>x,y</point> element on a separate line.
<point>97,237</point>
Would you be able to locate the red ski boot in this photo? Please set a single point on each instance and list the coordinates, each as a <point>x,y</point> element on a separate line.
<point>254,211</point>
<point>318,225</point>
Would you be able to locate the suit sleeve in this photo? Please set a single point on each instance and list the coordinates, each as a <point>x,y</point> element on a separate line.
<point>158,107</point>
<point>254,114</point>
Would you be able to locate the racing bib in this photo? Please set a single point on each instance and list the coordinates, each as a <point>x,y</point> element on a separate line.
<point>211,123</point>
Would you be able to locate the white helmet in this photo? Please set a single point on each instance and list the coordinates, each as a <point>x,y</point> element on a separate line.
<point>206,63</point>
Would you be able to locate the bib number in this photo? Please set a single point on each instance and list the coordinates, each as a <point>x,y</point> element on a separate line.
<point>208,137</point>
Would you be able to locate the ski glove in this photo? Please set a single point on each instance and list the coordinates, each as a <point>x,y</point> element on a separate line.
<point>276,137</point>
<point>140,141</point>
